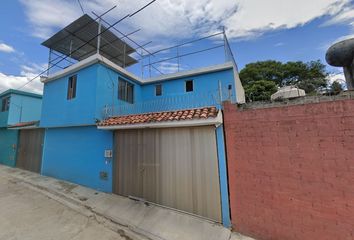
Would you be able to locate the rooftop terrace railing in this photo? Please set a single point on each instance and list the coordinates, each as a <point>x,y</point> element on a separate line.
<point>188,55</point>
<point>171,103</point>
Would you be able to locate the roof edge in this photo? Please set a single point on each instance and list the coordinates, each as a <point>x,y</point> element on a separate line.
<point>18,92</point>
<point>96,58</point>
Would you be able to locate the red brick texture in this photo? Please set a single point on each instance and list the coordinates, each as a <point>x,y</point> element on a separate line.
<point>291,171</point>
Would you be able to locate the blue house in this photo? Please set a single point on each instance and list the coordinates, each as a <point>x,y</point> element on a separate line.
<point>158,139</point>
<point>17,107</point>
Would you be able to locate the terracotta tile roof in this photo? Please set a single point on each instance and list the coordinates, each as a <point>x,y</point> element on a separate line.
<point>178,115</point>
<point>24,124</point>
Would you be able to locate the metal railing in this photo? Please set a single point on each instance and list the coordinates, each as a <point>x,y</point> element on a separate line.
<point>152,64</point>
<point>171,103</point>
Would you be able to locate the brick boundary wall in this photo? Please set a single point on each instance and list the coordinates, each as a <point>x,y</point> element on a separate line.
<point>291,170</point>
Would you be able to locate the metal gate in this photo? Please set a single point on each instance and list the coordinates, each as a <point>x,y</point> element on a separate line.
<point>30,145</point>
<point>8,146</point>
<point>175,167</point>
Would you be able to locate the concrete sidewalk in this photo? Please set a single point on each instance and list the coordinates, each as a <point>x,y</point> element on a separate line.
<point>135,220</point>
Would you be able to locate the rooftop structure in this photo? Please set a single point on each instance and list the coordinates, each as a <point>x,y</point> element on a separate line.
<point>85,37</point>
<point>88,36</point>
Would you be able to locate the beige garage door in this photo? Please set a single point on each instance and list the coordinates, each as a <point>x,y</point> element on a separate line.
<point>175,167</point>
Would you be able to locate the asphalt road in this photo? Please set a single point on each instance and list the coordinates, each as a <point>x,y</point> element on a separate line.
<point>28,215</point>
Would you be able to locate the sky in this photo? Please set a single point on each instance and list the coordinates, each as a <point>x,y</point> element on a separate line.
<point>283,30</point>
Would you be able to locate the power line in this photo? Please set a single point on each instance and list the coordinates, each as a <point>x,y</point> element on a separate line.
<point>82,9</point>
<point>85,25</point>
<point>183,55</point>
<point>105,30</point>
<point>124,35</point>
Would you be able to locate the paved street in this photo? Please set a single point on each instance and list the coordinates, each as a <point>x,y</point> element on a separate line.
<point>26,214</point>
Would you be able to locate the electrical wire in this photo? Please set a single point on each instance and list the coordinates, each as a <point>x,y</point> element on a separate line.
<point>82,9</point>
<point>109,27</point>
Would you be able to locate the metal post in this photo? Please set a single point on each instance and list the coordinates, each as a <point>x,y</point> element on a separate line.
<point>21,113</point>
<point>71,47</point>
<point>124,51</point>
<point>142,64</point>
<point>177,59</point>
<point>99,36</point>
<point>49,61</point>
<point>220,93</point>
<point>149,66</point>
<point>225,44</point>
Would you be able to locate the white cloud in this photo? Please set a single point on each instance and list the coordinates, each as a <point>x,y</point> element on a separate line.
<point>345,15</point>
<point>170,67</point>
<point>279,44</point>
<point>6,48</point>
<point>28,72</point>
<point>177,19</point>
<point>337,77</point>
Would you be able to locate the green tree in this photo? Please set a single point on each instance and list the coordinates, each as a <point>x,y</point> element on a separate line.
<point>310,76</point>
<point>260,90</point>
<point>335,88</point>
<point>267,70</point>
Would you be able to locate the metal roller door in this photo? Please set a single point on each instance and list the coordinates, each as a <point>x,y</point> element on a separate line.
<point>175,167</point>
<point>29,155</point>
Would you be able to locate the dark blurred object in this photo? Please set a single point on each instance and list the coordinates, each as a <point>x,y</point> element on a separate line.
<point>341,54</point>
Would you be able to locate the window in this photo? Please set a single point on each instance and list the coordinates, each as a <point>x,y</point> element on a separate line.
<point>5,104</point>
<point>189,86</point>
<point>158,90</point>
<point>125,91</point>
<point>72,87</point>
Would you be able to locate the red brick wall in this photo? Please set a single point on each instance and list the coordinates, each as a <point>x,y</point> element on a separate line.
<point>291,171</point>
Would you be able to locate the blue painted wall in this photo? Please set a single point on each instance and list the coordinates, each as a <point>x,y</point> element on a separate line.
<point>8,146</point>
<point>76,154</point>
<point>4,116</point>
<point>24,109</point>
<point>97,87</point>
<point>57,110</point>
<point>107,90</point>
<point>204,85</point>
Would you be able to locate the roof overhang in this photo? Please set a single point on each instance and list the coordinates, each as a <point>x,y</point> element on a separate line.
<point>18,92</point>
<point>24,125</point>
<point>96,58</point>
<point>217,121</point>
<point>79,40</point>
